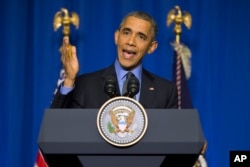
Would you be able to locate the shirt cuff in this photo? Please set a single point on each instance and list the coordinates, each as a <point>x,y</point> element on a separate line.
<point>65,90</point>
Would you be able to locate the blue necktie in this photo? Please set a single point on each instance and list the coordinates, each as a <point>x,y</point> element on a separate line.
<point>125,84</point>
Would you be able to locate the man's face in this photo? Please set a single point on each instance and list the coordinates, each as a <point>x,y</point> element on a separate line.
<point>134,40</point>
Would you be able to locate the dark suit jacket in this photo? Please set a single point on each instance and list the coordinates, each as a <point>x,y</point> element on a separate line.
<point>89,92</point>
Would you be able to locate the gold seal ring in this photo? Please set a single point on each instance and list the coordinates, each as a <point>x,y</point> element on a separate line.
<point>122,121</point>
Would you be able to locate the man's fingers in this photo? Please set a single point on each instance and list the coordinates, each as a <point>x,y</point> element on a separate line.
<point>68,54</point>
<point>66,48</point>
<point>66,41</point>
<point>73,52</point>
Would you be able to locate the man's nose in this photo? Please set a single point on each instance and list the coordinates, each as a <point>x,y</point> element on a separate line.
<point>131,40</point>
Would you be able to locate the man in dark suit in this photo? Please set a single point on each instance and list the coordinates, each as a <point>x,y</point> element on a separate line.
<point>134,39</point>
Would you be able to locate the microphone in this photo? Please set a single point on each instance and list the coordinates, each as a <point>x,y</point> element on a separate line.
<point>110,86</point>
<point>133,86</point>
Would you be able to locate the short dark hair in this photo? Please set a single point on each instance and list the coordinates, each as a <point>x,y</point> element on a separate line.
<point>144,16</point>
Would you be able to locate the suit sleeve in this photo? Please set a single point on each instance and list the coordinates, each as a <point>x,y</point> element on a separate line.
<point>60,100</point>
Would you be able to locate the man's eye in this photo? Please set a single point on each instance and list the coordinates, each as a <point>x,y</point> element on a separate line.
<point>142,37</point>
<point>125,32</point>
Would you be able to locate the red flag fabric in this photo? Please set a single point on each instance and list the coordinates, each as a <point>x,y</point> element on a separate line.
<point>40,161</point>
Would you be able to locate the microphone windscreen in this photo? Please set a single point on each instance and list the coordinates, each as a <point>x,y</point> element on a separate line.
<point>110,86</point>
<point>133,86</point>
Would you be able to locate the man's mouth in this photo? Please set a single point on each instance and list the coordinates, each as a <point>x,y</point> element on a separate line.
<point>128,54</point>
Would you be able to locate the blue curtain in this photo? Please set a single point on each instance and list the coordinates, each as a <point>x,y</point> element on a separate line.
<point>30,65</point>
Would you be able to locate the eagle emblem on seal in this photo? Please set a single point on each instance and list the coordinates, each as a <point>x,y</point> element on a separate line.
<point>121,118</point>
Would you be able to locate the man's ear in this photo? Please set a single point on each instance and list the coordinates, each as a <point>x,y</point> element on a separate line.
<point>116,36</point>
<point>152,47</point>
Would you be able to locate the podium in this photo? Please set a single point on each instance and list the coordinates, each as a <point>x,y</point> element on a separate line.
<point>69,137</point>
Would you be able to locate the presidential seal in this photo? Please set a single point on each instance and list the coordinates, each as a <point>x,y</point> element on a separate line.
<point>122,121</point>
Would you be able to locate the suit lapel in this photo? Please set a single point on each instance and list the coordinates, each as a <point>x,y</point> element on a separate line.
<point>148,90</point>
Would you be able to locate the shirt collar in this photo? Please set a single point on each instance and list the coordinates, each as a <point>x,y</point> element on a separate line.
<point>121,72</point>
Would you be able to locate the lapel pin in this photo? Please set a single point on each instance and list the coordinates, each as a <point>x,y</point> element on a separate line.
<point>151,88</point>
